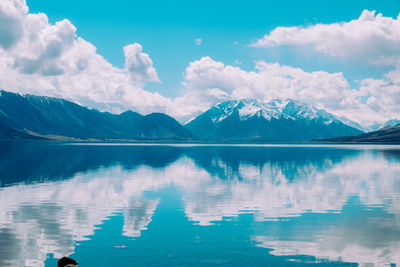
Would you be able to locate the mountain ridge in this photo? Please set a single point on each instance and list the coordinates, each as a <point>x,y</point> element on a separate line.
<point>387,134</point>
<point>277,120</point>
<point>247,120</point>
<point>34,117</point>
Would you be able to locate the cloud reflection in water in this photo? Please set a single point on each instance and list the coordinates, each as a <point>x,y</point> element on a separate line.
<point>274,184</point>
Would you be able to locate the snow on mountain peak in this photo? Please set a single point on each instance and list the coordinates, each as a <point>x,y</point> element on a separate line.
<point>222,110</point>
<point>276,108</point>
<point>248,109</point>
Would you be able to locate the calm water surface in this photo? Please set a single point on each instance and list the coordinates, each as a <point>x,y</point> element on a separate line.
<point>183,205</point>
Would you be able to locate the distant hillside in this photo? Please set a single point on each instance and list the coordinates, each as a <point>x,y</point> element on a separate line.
<point>379,126</point>
<point>388,134</point>
<point>33,117</point>
<point>278,120</point>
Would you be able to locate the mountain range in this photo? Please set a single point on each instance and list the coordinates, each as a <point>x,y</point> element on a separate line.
<point>378,126</point>
<point>278,120</point>
<point>38,117</point>
<point>248,120</point>
<point>387,134</point>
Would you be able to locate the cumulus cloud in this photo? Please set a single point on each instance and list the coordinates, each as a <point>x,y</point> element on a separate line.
<point>139,65</point>
<point>43,51</point>
<point>268,81</point>
<point>198,41</point>
<point>50,59</point>
<point>209,81</point>
<point>371,37</point>
<point>10,26</point>
<point>383,94</point>
<point>375,100</point>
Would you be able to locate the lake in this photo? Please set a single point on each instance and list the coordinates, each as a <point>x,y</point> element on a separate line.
<point>199,205</point>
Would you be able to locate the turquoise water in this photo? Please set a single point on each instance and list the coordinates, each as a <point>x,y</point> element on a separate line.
<point>199,205</point>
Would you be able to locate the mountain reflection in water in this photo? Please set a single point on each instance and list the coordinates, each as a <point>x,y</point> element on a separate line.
<point>286,204</point>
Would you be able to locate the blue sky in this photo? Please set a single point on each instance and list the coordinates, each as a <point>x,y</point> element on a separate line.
<point>182,57</point>
<point>167,30</point>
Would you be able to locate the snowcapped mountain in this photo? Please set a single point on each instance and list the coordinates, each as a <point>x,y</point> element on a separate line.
<point>392,122</point>
<point>379,126</point>
<point>278,120</point>
<point>288,109</point>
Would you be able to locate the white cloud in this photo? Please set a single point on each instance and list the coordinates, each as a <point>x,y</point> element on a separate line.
<point>10,26</point>
<point>371,37</point>
<point>50,59</point>
<point>42,50</point>
<point>45,59</point>
<point>198,41</point>
<point>208,82</point>
<point>383,94</point>
<point>139,65</point>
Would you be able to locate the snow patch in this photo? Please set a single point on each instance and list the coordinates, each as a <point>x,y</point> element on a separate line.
<point>277,108</point>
